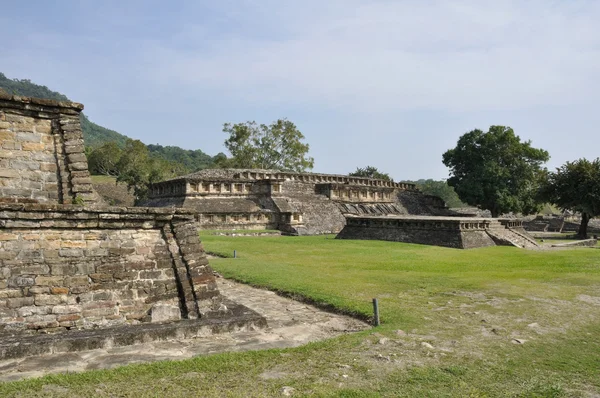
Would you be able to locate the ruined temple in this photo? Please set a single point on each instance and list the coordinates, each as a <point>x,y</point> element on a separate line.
<point>312,203</point>
<point>70,264</point>
<point>295,203</point>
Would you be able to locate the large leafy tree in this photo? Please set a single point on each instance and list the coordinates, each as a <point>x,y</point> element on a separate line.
<point>104,159</point>
<point>495,171</point>
<point>276,146</point>
<point>138,169</point>
<point>440,189</point>
<point>371,172</point>
<point>575,186</point>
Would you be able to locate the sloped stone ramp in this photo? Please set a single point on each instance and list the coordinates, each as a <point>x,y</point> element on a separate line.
<point>290,324</point>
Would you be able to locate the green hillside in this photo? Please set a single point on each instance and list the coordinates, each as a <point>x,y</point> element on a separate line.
<point>95,135</point>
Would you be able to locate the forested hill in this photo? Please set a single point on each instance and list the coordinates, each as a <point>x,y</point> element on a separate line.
<point>95,135</point>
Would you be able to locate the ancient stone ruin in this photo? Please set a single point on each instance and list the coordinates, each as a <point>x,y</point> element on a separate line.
<point>101,275</point>
<point>310,203</point>
<point>454,232</point>
<point>295,203</point>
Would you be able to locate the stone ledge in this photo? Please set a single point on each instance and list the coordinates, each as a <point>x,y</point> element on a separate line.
<point>24,101</point>
<point>237,317</point>
<point>579,243</point>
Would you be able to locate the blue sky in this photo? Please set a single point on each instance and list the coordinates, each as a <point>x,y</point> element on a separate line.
<point>391,84</point>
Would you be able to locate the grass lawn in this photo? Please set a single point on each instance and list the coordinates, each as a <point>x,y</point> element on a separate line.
<point>490,322</point>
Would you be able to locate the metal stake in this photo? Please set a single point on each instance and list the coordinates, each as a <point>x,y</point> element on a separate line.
<point>375,312</point>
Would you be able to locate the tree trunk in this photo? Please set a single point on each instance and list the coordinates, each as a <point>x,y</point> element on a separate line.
<point>585,219</point>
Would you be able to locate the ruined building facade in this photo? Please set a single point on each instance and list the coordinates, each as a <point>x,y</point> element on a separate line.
<point>295,203</point>
<point>67,261</point>
<point>310,203</point>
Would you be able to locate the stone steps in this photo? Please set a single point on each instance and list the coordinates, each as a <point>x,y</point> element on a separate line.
<point>510,237</point>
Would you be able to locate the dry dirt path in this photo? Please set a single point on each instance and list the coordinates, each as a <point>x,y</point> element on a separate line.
<point>290,324</point>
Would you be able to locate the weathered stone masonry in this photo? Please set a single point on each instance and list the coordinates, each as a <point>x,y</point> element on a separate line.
<point>64,267</point>
<point>454,232</point>
<point>296,203</point>
<point>77,267</point>
<point>42,157</point>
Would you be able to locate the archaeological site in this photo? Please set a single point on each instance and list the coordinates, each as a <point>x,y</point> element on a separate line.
<point>310,203</point>
<point>98,275</point>
<point>73,267</point>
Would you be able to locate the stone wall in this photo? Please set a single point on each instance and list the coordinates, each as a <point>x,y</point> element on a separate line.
<point>295,203</point>
<point>458,233</point>
<point>42,158</point>
<point>72,267</point>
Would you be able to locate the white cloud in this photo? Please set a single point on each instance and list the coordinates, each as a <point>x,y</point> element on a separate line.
<point>383,55</point>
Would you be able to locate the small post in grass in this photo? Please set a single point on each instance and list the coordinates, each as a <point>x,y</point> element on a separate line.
<point>235,254</point>
<point>375,312</point>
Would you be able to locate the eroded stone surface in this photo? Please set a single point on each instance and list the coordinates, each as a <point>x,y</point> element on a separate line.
<point>290,324</point>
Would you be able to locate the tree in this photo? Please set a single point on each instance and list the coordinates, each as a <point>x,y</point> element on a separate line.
<point>371,172</point>
<point>138,169</point>
<point>104,159</point>
<point>496,171</point>
<point>440,189</point>
<point>575,186</point>
<point>276,146</point>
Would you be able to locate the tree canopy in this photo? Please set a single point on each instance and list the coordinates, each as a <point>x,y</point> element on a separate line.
<point>371,172</point>
<point>276,146</point>
<point>495,171</point>
<point>440,189</point>
<point>139,169</point>
<point>575,186</point>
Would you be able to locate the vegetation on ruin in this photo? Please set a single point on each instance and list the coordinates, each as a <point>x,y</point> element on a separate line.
<point>371,172</point>
<point>137,168</point>
<point>491,322</point>
<point>440,189</point>
<point>495,171</point>
<point>575,186</point>
<point>278,145</point>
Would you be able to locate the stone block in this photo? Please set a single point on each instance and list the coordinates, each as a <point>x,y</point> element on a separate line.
<point>50,167</point>
<point>4,236</point>
<point>75,149</point>
<point>42,322</point>
<point>78,166</point>
<point>78,157</point>
<point>59,290</point>
<point>70,252</point>
<point>79,280</point>
<point>165,313</point>
<point>66,309</point>
<point>19,302</point>
<point>49,280</point>
<point>6,135</point>
<point>101,278</point>
<point>68,318</point>
<point>20,281</point>
<point>49,299</point>
<point>63,268</point>
<point>33,146</point>
<point>33,310</point>
<point>9,173</point>
<point>28,137</point>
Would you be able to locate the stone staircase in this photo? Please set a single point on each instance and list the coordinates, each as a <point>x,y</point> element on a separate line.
<point>370,209</point>
<point>504,236</point>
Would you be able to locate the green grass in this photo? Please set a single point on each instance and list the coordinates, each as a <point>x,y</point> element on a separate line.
<point>470,305</point>
<point>102,179</point>
<point>205,232</point>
